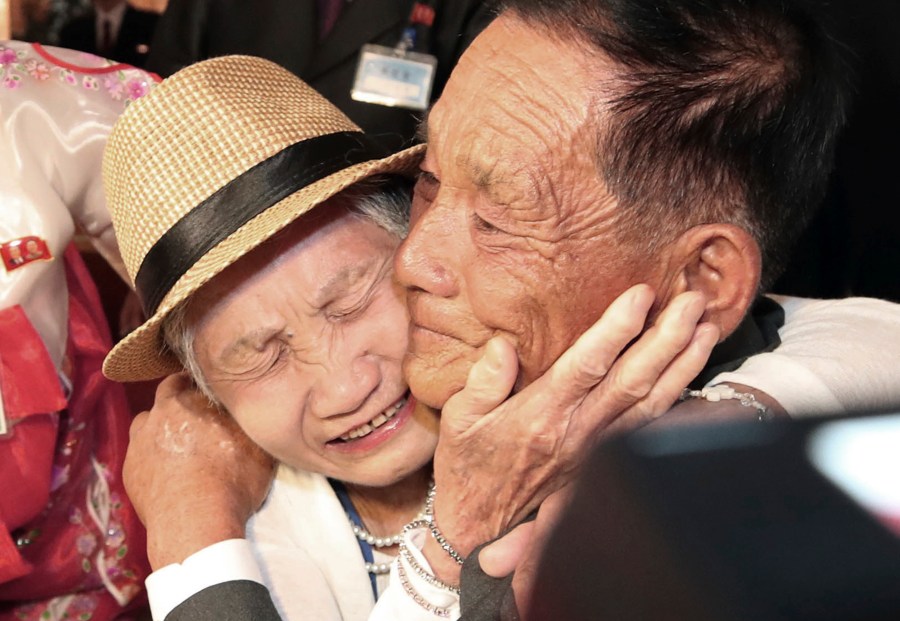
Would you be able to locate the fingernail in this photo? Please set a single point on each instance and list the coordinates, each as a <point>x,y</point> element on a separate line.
<point>493,355</point>
<point>706,335</point>
<point>639,297</point>
<point>694,306</point>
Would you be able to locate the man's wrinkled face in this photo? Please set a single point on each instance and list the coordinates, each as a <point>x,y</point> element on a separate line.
<point>302,342</point>
<point>512,230</point>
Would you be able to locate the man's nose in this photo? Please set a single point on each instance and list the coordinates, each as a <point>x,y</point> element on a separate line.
<point>425,259</point>
<point>343,388</point>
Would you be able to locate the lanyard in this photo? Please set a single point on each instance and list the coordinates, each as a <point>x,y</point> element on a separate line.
<point>350,510</point>
<point>417,34</point>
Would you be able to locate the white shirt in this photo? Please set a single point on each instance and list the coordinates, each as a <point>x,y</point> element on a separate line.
<point>835,356</point>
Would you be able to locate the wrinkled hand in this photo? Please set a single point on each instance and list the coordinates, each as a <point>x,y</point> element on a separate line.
<point>497,461</point>
<point>191,473</point>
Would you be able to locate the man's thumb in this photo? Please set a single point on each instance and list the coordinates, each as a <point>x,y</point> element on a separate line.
<point>502,557</point>
<point>489,383</point>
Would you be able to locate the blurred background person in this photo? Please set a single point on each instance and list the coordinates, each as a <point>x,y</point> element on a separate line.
<point>112,29</point>
<point>320,41</point>
<point>26,20</point>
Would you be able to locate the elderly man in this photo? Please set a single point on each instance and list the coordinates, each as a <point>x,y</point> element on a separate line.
<point>581,147</point>
<point>683,144</point>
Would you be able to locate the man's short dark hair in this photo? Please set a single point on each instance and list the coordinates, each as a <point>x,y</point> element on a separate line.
<point>721,111</point>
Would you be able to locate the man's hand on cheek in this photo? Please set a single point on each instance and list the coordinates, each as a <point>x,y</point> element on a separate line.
<point>192,474</point>
<point>497,460</point>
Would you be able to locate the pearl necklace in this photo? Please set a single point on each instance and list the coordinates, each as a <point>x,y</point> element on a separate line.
<point>379,542</point>
<point>378,569</point>
<point>383,542</point>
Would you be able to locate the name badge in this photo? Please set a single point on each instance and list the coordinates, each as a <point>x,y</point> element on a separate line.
<point>391,77</point>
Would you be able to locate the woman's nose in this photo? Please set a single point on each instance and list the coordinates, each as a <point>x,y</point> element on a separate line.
<point>344,388</point>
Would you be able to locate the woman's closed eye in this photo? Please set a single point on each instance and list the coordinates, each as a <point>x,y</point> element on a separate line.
<point>354,302</point>
<point>346,313</point>
<point>258,362</point>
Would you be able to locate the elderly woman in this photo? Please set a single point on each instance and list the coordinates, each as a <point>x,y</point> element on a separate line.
<point>259,226</point>
<point>292,324</point>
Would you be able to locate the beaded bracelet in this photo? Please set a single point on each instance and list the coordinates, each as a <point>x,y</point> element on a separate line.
<point>429,501</point>
<point>722,392</point>
<point>436,532</point>
<point>437,611</point>
<point>407,556</point>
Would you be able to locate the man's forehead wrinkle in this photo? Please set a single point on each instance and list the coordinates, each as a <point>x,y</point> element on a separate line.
<point>530,126</point>
<point>511,193</point>
<point>499,176</point>
<point>508,166</point>
<point>541,81</point>
<point>531,100</point>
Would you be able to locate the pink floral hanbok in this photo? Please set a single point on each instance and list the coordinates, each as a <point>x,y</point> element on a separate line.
<point>71,546</point>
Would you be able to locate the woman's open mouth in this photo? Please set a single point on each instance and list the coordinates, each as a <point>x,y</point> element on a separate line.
<point>367,428</point>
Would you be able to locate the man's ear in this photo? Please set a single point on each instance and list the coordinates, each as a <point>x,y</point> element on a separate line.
<point>723,262</point>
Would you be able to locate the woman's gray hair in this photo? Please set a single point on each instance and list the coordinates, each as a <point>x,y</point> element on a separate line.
<point>383,200</point>
<point>178,337</point>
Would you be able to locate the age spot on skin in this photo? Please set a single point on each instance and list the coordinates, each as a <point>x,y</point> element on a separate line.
<point>177,441</point>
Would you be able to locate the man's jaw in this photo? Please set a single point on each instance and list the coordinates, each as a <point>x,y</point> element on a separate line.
<point>434,376</point>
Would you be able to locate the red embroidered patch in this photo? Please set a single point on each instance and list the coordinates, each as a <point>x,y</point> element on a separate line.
<point>422,14</point>
<point>23,251</point>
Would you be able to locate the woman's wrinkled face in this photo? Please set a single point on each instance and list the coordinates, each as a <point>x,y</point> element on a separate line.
<point>302,342</point>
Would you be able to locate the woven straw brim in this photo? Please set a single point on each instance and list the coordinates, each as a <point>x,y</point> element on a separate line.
<point>142,355</point>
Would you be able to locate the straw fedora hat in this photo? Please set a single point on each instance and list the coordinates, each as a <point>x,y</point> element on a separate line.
<point>211,163</point>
